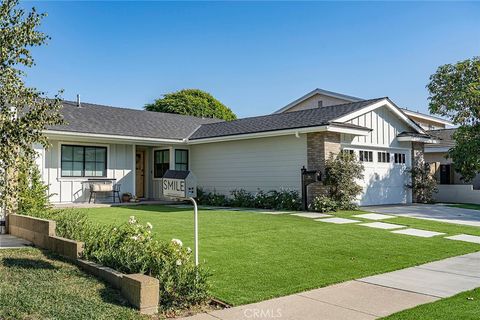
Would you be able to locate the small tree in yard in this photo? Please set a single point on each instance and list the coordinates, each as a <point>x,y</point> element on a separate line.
<point>424,184</point>
<point>341,173</point>
<point>192,102</point>
<point>24,112</point>
<point>455,93</point>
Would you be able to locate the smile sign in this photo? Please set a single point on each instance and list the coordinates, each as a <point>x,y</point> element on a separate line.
<point>179,184</point>
<point>174,187</point>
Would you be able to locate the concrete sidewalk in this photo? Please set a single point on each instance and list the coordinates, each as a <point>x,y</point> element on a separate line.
<point>367,298</point>
<point>10,242</point>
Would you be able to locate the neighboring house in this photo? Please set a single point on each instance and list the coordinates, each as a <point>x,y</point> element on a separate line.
<point>136,147</point>
<point>451,186</point>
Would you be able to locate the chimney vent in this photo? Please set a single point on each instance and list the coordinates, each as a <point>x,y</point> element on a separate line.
<point>79,104</point>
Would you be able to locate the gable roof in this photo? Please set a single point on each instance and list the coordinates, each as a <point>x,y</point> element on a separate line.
<point>283,121</point>
<point>100,119</point>
<point>322,92</point>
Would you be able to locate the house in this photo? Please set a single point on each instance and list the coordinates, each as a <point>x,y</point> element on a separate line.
<point>136,147</point>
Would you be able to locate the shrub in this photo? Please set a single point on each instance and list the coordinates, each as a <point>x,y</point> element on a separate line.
<point>323,204</point>
<point>242,198</point>
<point>32,196</point>
<point>212,198</point>
<point>130,248</point>
<point>423,183</point>
<point>286,200</point>
<point>341,173</point>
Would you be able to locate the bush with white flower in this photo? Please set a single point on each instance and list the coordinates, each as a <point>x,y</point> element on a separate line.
<point>131,248</point>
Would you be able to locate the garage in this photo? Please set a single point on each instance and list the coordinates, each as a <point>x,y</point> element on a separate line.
<point>385,176</point>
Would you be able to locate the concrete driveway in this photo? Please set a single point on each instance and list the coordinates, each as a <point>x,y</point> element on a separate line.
<point>433,212</point>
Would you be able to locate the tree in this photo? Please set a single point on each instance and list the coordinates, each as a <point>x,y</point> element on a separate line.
<point>455,93</point>
<point>192,102</point>
<point>423,183</point>
<point>24,112</point>
<point>341,173</point>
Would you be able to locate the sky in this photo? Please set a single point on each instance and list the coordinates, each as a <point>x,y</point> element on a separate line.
<point>255,57</point>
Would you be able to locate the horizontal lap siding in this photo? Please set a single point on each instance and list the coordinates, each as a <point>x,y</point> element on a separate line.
<point>264,163</point>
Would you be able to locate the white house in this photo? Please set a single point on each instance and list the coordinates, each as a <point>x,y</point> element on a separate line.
<point>136,147</point>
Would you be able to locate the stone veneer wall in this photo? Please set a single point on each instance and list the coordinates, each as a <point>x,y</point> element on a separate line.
<point>319,147</point>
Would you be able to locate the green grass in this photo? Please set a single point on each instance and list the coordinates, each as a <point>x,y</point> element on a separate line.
<point>254,256</point>
<point>34,285</point>
<point>465,306</point>
<point>466,206</point>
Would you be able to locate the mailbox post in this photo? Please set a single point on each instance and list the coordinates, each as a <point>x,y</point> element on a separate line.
<point>183,185</point>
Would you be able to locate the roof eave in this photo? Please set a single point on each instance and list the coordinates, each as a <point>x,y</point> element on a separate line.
<point>65,135</point>
<point>332,127</point>
<point>418,139</point>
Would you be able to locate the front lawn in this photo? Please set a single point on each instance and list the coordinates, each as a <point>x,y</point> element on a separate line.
<point>254,256</point>
<point>465,306</point>
<point>472,206</point>
<point>34,285</point>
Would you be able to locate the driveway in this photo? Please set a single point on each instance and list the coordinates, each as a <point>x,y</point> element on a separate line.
<point>443,213</point>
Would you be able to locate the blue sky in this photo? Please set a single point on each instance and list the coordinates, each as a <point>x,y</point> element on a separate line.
<point>253,56</point>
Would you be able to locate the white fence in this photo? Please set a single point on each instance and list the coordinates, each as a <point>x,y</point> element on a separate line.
<point>457,193</point>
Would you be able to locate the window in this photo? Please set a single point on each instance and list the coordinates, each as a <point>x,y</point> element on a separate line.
<point>446,174</point>
<point>399,157</point>
<point>181,159</point>
<point>383,157</point>
<point>161,162</point>
<point>83,161</point>
<point>366,156</point>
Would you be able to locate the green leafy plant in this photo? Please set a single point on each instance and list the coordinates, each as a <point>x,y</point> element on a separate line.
<point>323,204</point>
<point>454,92</point>
<point>423,183</point>
<point>341,173</point>
<point>242,198</point>
<point>24,112</point>
<point>33,194</point>
<point>130,248</point>
<point>192,102</point>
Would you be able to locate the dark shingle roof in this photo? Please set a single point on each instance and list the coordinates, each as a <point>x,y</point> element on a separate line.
<point>414,134</point>
<point>281,121</point>
<point>444,135</point>
<point>99,119</point>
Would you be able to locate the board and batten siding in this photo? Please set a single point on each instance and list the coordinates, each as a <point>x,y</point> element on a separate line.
<point>262,163</point>
<point>120,158</point>
<point>385,127</point>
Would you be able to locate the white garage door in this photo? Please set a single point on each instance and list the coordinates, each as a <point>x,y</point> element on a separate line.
<point>385,176</point>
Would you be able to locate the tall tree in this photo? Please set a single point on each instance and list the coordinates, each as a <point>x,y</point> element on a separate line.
<point>24,112</point>
<point>455,93</point>
<point>193,102</point>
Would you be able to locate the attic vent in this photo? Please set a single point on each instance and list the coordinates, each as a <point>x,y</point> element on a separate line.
<point>320,103</point>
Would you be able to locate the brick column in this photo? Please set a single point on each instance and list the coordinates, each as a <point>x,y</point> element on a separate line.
<point>319,147</point>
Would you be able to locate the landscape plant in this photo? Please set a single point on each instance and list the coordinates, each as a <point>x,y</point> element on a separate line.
<point>454,92</point>
<point>24,112</point>
<point>423,183</point>
<point>342,171</point>
<point>131,248</point>
<point>323,203</point>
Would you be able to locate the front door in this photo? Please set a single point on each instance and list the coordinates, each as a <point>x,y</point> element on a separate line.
<point>140,174</point>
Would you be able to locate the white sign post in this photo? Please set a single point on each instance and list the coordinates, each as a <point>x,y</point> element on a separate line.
<point>183,185</point>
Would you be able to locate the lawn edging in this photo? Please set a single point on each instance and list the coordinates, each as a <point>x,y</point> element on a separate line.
<point>140,290</point>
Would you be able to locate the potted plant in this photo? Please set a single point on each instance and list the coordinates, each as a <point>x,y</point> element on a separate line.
<point>126,197</point>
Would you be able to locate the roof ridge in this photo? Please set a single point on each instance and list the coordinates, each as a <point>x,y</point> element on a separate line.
<point>138,110</point>
<point>298,111</point>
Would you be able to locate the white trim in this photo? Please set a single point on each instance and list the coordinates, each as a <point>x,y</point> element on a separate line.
<point>134,170</point>
<point>373,147</point>
<point>318,91</point>
<point>417,139</point>
<point>436,149</point>
<point>80,179</point>
<point>427,117</point>
<point>384,102</point>
<point>276,133</point>
<point>114,138</point>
